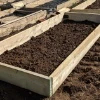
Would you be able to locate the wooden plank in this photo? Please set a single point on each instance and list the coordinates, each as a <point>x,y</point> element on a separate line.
<point>8,19</point>
<point>96,11</point>
<point>61,73</point>
<point>7,12</point>
<point>81,16</point>
<point>64,10</point>
<point>84,4</point>
<point>20,4</point>
<point>21,22</point>
<point>37,3</point>
<point>26,79</point>
<point>67,4</point>
<point>3,2</point>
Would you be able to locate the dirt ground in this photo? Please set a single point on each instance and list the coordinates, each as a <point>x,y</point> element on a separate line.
<point>82,84</point>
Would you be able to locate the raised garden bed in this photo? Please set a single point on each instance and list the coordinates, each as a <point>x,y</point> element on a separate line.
<point>46,52</point>
<point>72,88</point>
<point>70,62</point>
<point>48,55</point>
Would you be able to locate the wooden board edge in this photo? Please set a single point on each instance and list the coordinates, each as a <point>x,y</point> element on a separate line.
<point>18,5</point>
<point>96,11</point>
<point>79,16</point>
<point>67,4</point>
<point>85,4</point>
<point>62,72</point>
<point>32,81</point>
<point>20,23</point>
<point>5,2</point>
<point>6,12</point>
<point>37,3</point>
<point>20,18</point>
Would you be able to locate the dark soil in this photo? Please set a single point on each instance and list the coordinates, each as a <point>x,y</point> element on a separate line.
<point>95,5</point>
<point>82,84</point>
<point>46,52</point>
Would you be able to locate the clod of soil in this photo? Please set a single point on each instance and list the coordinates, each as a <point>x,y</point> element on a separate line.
<point>46,52</point>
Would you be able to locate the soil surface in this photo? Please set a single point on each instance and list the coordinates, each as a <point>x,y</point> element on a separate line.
<point>46,52</point>
<point>95,5</point>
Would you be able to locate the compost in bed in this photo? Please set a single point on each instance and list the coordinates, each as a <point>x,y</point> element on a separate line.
<point>46,52</point>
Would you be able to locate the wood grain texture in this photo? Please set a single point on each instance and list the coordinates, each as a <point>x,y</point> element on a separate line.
<point>84,4</point>
<point>95,11</point>
<point>7,12</point>
<point>37,3</point>
<point>82,16</point>
<point>20,4</point>
<point>26,79</point>
<point>20,23</point>
<point>67,4</point>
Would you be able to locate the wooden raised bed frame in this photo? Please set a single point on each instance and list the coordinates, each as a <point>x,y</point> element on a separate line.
<point>41,84</point>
